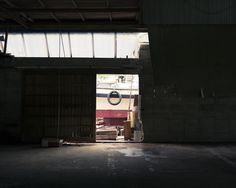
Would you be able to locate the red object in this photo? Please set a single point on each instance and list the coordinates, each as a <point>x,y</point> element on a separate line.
<point>114,121</point>
<point>112,114</point>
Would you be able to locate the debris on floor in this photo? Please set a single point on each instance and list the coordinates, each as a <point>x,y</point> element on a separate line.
<point>106,133</point>
<point>51,142</point>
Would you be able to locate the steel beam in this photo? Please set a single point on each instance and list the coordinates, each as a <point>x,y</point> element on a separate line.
<point>17,19</point>
<point>55,17</point>
<point>77,6</point>
<point>73,10</point>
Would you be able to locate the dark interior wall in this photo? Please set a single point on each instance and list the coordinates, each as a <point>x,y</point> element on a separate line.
<point>194,94</point>
<point>36,117</point>
<point>59,103</point>
<point>13,87</point>
<point>189,11</point>
<point>10,105</point>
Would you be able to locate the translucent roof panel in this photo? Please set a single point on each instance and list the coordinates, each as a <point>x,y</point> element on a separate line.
<point>16,45</point>
<point>58,45</point>
<point>104,45</point>
<point>74,45</point>
<point>81,45</point>
<point>127,44</point>
<point>143,38</point>
<point>53,44</point>
<point>35,45</point>
<point>65,45</point>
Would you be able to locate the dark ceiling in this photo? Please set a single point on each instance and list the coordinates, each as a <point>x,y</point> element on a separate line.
<point>51,15</point>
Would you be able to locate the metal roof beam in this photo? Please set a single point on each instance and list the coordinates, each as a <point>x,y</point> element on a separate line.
<point>51,13</point>
<point>108,6</point>
<point>76,5</point>
<point>12,5</point>
<point>9,3</point>
<point>74,10</point>
<point>41,3</point>
<point>55,17</point>
<point>17,19</point>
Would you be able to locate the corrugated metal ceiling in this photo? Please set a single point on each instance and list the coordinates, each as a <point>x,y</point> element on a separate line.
<point>61,14</point>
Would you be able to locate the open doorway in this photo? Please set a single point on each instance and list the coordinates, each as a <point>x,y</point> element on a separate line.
<point>118,105</point>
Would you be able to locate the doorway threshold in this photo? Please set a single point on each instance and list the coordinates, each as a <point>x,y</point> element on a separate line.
<point>119,139</point>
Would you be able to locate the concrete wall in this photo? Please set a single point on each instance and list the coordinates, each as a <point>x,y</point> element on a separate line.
<point>10,105</point>
<point>189,11</point>
<point>194,92</point>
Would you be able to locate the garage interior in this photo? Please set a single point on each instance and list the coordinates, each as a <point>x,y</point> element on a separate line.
<point>184,130</point>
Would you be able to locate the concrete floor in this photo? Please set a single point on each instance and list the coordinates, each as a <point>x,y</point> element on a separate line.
<point>119,165</point>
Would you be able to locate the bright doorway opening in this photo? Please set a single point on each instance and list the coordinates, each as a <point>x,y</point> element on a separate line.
<point>118,108</point>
